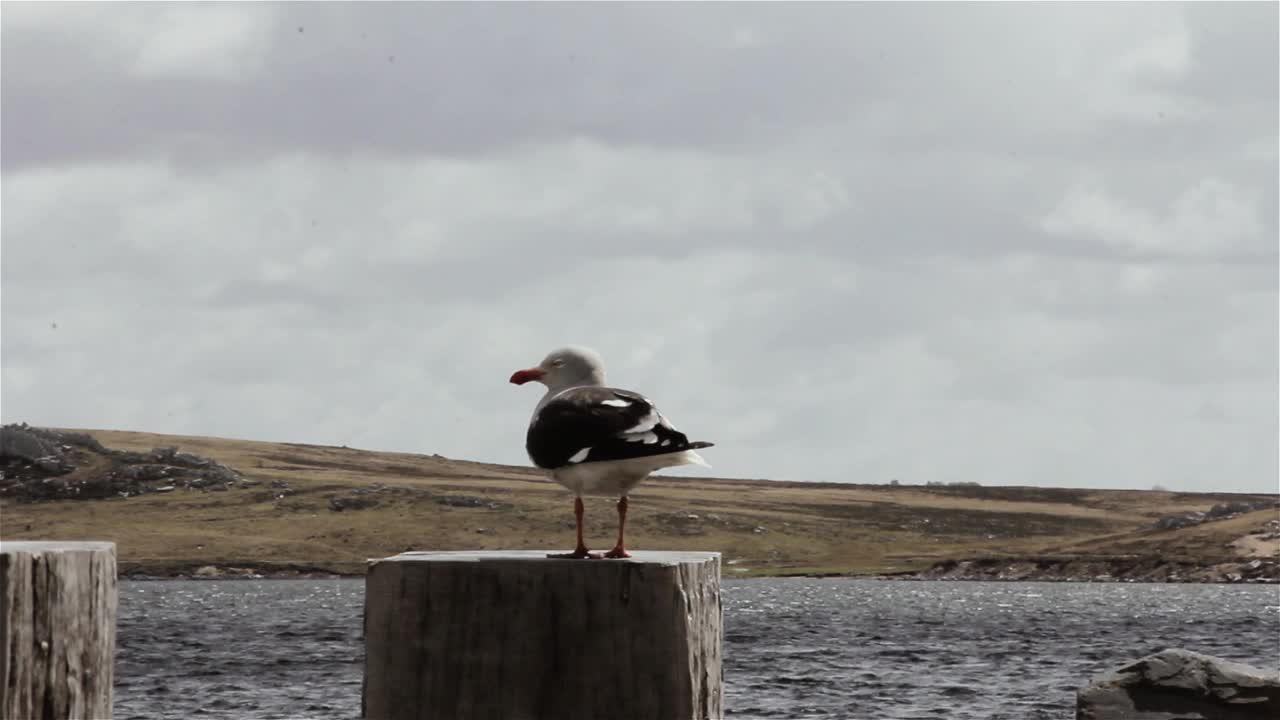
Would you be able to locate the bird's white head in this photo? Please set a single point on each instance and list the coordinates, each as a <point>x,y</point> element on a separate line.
<point>567,367</point>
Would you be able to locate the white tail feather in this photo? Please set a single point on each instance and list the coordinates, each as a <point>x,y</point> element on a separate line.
<point>691,457</point>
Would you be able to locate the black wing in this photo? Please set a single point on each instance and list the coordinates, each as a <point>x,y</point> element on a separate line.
<point>595,424</point>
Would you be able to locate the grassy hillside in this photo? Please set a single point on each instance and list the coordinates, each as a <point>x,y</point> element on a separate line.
<point>286,521</point>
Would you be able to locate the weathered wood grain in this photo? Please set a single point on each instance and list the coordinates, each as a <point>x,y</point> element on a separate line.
<point>57,630</point>
<point>519,636</point>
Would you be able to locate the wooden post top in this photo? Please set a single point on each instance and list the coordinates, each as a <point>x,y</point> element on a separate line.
<point>522,557</point>
<point>46,546</point>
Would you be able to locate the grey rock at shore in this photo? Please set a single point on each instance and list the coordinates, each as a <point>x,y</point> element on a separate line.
<point>1177,684</point>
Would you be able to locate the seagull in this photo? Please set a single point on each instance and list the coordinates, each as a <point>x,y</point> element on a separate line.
<point>598,440</point>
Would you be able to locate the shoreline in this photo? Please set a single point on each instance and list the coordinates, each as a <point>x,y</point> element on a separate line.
<point>894,578</point>
<point>232,573</point>
<point>1057,568</point>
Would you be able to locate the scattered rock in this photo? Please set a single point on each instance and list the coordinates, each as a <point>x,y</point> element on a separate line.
<point>143,473</point>
<point>355,502</point>
<point>1126,568</point>
<point>469,501</point>
<point>1179,684</point>
<point>1232,508</point>
<point>677,523</point>
<point>1173,522</point>
<point>207,571</point>
<point>1221,511</point>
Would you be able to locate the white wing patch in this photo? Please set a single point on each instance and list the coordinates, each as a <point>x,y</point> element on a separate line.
<point>617,403</point>
<point>580,455</point>
<point>647,423</point>
<point>647,438</point>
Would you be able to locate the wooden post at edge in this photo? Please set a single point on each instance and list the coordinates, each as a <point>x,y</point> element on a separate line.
<point>57,629</point>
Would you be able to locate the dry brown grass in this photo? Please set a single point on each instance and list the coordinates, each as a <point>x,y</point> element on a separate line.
<point>762,527</point>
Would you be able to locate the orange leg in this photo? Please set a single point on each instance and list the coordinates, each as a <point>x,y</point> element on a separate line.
<point>580,551</point>
<point>620,550</point>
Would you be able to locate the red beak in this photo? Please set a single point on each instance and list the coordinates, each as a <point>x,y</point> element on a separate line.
<point>523,376</point>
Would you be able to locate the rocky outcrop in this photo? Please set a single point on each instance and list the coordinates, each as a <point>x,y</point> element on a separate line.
<point>1221,511</point>
<point>41,464</point>
<point>1179,684</point>
<point>41,453</point>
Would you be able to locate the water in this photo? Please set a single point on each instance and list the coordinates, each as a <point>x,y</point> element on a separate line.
<point>794,649</point>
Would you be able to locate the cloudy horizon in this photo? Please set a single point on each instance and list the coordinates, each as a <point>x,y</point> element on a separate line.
<point>1013,244</point>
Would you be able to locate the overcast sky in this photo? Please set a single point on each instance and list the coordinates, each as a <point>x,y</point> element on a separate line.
<point>1014,243</point>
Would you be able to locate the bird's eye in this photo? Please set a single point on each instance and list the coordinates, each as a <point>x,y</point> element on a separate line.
<point>557,363</point>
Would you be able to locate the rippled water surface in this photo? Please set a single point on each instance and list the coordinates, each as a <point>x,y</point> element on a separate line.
<point>793,648</point>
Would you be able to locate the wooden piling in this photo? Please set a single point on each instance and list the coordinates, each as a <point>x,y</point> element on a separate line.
<point>519,636</point>
<point>57,630</point>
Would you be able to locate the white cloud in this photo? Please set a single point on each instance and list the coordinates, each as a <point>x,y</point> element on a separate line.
<point>1211,218</point>
<point>178,40</point>
<point>216,41</point>
<point>1166,53</point>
